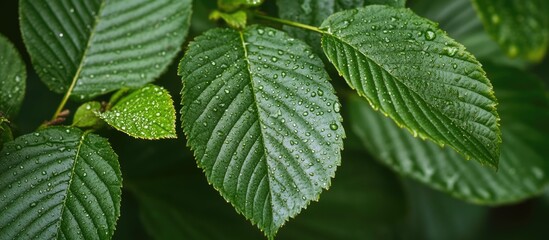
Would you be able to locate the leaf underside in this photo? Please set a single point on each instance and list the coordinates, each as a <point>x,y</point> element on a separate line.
<point>145,113</point>
<point>59,183</point>
<point>520,27</point>
<point>102,45</point>
<point>262,119</point>
<point>13,77</point>
<point>524,169</point>
<point>411,71</point>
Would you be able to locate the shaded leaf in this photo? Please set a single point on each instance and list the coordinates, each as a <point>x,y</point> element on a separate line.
<point>262,119</point>
<point>411,71</point>
<point>13,75</point>
<point>434,215</point>
<point>460,20</point>
<point>524,168</point>
<point>59,183</point>
<point>365,201</point>
<point>145,113</point>
<point>520,27</point>
<point>100,46</point>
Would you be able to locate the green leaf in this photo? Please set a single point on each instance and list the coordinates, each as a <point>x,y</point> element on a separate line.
<point>94,47</point>
<point>524,169</point>
<point>86,116</point>
<point>13,75</point>
<point>411,71</point>
<point>262,119</point>
<point>59,183</point>
<point>314,12</point>
<point>520,27</point>
<point>145,113</point>
<point>235,20</point>
<point>459,19</point>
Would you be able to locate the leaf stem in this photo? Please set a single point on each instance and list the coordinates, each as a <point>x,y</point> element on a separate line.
<point>290,23</point>
<point>64,100</point>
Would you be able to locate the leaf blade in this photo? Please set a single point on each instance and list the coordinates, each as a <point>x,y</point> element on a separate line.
<point>249,101</point>
<point>146,113</point>
<point>91,48</point>
<point>13,78</point>
<point>438,91</point>
<point>523,170</point>
<point>520,27</point>
<point>41,200</point>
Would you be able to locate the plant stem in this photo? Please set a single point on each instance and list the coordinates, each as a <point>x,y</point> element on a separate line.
<point>290,23</point>
<point>64,100</point>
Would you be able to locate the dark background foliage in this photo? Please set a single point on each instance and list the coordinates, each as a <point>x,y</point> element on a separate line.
<point>165,195</point>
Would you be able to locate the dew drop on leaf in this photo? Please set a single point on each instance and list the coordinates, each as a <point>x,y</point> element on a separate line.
<point>430,35</point>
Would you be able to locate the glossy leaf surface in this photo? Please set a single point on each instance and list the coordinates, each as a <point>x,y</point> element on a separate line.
<point>411,71</point>
<point>262,119</point>
<point>95,47</point>
<point>145,113</point>
<point>59,183</point>
<point>13,77</point>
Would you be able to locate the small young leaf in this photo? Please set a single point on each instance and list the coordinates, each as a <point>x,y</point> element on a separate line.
<point>262,119</point>
<point>86,116</point>
<point>100,46</point>
<point>520,27</point>
<point>524,169</point>
<point>59,183</point>
<point>145,113</point>
<point>235,20</point>
<point>411,71</point>
<point>13,75</point>
<point>231,5</point>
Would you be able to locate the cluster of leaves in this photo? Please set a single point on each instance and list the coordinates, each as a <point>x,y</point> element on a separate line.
<point>259,110</point>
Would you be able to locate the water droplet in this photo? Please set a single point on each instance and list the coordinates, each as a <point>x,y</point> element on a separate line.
<point>450,51</point>
<point>260,31</point>
<point>274,59</point>
<point>33,204</point>
<point>333,126</point>
<point>61,35</point>
<point>320,92</point>
<point>430,35</point>
<point>337,107</point>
